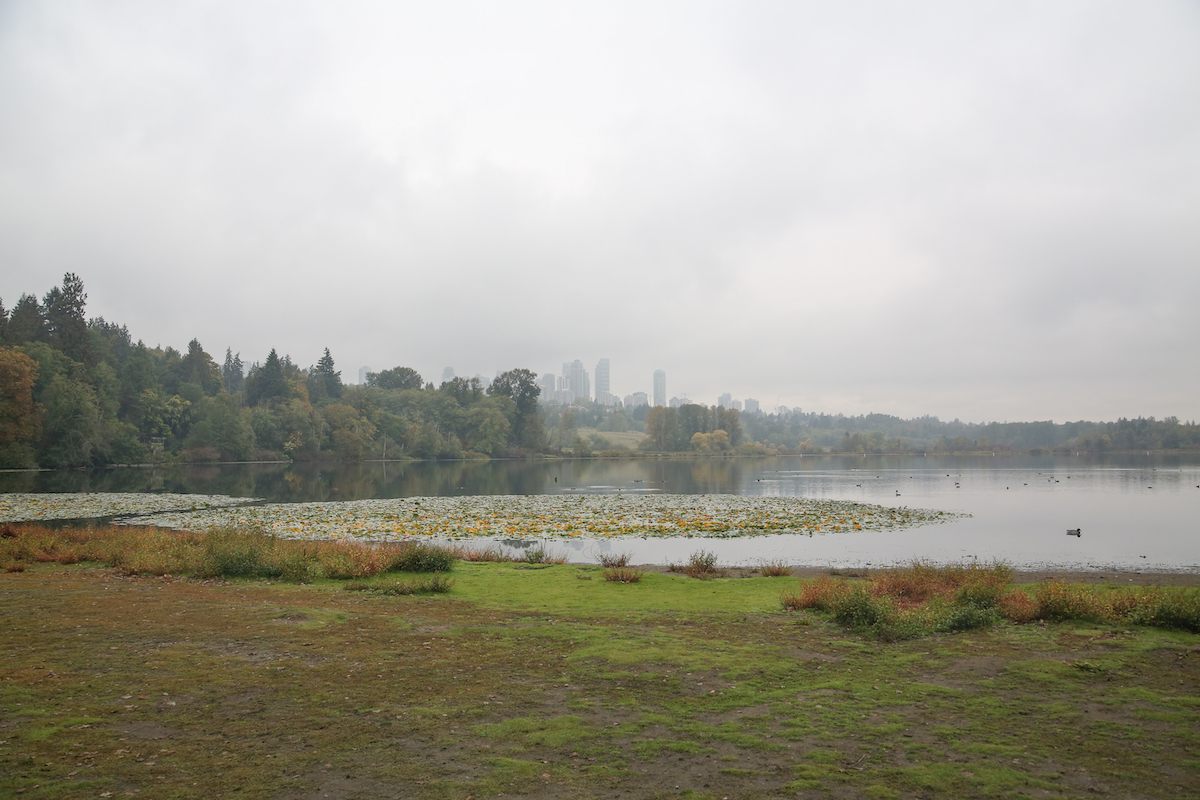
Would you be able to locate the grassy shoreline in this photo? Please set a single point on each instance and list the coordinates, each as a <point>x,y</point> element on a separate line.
<point>545,680</point>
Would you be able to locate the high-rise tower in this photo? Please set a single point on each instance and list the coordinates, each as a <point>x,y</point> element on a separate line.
<point>660,388</point>
<point>577,379</point>
<point>602,385</point>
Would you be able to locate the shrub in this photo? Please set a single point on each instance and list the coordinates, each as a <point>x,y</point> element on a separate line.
<point>419,557</point>
<point>343,560</point>
<point>1058,600</point>
<point>1018,607</point>
<point>297,564</point>
<point>540,555</point>
<point>230,553</point>
<point>622,574</point>
<point>776,569</point>
<point>701,564</point>
<point>819,594</point>
<point>980,595</point>
<point>859,609</point>
<point>922,581</point>
<point>918,582</point>
<point>969,617</point>
<point>1169,609</point>
<point>614,559</point>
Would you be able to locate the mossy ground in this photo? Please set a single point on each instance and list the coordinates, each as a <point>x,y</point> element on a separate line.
<point>548,681</point>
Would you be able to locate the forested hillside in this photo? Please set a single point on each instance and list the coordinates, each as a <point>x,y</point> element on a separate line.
<point>78,393</point>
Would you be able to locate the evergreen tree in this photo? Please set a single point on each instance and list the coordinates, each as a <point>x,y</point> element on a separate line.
<point>267,383</point>
<point>330,378</point>
<point>26,323</point>
<point>199,368</point>
<point>232,372</point>
<point>65,322</point>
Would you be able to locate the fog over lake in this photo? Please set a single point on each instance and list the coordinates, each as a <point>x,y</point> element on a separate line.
<point>1135,512</point>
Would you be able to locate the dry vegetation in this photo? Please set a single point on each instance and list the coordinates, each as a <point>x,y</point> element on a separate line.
<point>921,599</point>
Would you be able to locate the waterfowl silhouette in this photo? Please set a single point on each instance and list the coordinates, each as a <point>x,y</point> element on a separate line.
<point>1075,532</point>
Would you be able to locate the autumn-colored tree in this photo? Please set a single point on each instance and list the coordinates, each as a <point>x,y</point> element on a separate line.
<point>20,417</point>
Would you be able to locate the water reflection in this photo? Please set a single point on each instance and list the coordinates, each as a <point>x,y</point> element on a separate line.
<point>306,482</point>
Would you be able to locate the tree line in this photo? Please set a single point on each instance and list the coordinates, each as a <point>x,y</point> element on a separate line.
<point>799,432</point>
<point>78,393</point>
<point>82,393</point>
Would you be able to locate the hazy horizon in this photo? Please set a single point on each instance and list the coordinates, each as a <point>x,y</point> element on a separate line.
<point>980,211</point>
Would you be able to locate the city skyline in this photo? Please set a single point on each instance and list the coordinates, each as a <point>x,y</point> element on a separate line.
<point>562,388</point>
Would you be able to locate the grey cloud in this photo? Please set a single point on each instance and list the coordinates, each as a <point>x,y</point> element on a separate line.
<point>979,211</point>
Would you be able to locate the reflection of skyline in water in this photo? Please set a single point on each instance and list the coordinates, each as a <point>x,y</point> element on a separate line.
<point>1128,506</point>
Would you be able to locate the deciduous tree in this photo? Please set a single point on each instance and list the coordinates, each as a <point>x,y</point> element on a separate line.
<point>20,416</point>
<point>395,378</point>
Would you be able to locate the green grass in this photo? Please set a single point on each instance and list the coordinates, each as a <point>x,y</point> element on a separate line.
<point>528,681</point>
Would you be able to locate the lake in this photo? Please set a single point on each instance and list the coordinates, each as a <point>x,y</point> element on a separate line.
<point>1136,512</point>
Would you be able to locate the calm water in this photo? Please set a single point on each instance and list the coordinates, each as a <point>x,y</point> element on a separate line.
<point>1136,512</point>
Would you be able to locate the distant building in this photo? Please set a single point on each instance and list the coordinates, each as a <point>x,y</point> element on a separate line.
<point>660,388</point>
<point>549,386</point>
<point>602,385</point>
<point>447,374</point>
<point>751,405</point>
<point>562,391</point>
<point>362,375</point>
<point>577,379</point>
<point>725,400</point>
<point>675,402</point>
<point>636,399</point>
<point>606,398</point>
<point>737,405</point>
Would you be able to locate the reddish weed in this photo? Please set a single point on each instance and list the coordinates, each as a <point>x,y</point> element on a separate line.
<point>622,574</point>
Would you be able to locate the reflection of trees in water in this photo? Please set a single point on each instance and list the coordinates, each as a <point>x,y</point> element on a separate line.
<point>309,482</point>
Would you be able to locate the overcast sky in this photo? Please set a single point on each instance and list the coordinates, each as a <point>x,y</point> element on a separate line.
<point>988,211</point>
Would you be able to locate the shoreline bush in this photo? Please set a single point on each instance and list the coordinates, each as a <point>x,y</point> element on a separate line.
<point>922,599</point>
